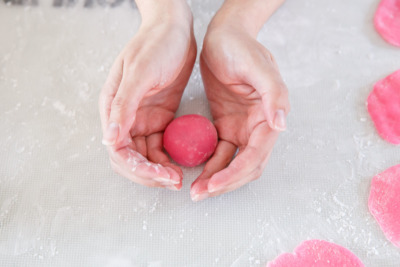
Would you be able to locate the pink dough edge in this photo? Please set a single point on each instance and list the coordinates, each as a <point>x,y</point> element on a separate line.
<point>295,255</point>
<point>372,208</point>
<point>375,117</point>
<point>382,31</point>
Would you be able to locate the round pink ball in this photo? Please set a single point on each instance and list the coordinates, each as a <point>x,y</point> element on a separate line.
<point>190,140</point>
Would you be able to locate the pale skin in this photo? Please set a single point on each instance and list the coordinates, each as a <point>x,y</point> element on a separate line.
<point>247,96</point>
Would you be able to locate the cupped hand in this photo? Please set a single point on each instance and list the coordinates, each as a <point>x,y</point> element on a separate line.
<point>249,104</point>
<point>140,98</point>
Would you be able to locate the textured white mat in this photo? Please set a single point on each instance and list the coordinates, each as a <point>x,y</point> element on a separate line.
<point>62,205</point>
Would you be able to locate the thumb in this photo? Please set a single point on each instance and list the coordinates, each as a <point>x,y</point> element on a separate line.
<point>123,111</point>
<point>276,106</point>
<point>268,82</point>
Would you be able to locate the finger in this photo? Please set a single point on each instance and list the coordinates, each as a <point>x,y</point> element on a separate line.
<point>140,143</point>
<point>155,154</point>
<point>254,175</point>
<point>266,79</point>
<point>132,165</point>
<point>248,164</point>
<point>124,106</point>
<point>109,91</point>
<point>175,175</point>
<point>220,159</point>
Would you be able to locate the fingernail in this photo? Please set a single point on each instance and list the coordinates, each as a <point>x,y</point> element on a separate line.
<point>163,180</point>
<point>199,197</point>
<point>214,189</point>
<point>173,188</point>
<point>175,179</point>
<point>173,176</point>
<point>280,120</point>
<point>111,134</point>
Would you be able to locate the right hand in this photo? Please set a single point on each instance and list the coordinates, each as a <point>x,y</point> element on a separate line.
<point>249,103</point>
<point>143,92</point>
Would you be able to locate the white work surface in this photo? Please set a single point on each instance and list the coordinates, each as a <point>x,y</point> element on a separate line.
<point>62,205</point>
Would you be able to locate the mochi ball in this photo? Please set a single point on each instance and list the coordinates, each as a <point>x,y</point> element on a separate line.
<point>190,140</point>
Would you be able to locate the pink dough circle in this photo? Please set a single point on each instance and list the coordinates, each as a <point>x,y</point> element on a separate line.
<point>384,107</point>
<point>384,202</point>
<point>387,21</point>
<point>190,140</point>
<point>317,253</point>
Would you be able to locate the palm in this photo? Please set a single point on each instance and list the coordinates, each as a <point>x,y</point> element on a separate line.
<point>154,112</point>
<point>237,109</point>
<point>142,93</point>
<point>157,109</point>
<point>168,71</point>
<point>243,86</point>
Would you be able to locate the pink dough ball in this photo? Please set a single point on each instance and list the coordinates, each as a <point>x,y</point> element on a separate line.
<point>190,140</point>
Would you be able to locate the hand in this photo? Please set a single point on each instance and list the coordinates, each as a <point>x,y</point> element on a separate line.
<point>143,92</point>
<point>249,103</point>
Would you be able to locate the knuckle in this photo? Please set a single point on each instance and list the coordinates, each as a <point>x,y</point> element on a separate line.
<point>267,54</point>
<point>130,67</point>
<point>119,103</point>
<point>270,57</point>
<point>137,65</point>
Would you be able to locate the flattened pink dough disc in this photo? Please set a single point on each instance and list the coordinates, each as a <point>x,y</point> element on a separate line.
<point>317,253</point>
<point>384,107</point>
<point>387,21</point>
<point>384,202</point>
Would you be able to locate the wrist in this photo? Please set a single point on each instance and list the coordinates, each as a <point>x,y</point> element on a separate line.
<point>167,12</point>
<point>245,15</point>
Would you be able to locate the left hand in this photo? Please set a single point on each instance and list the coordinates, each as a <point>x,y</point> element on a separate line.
<point>249,104</point>
<point>143,92</point>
